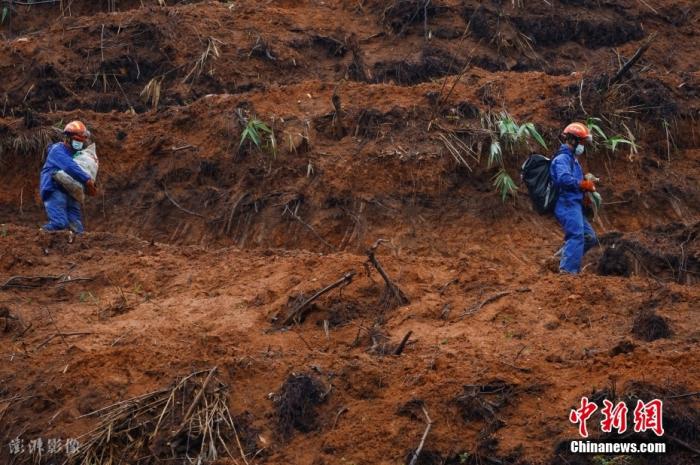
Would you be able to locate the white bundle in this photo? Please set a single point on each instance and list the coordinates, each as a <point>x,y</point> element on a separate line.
<point>87,160</point>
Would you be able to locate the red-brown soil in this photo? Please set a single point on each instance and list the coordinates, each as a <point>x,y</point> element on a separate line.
<point>197,247</point>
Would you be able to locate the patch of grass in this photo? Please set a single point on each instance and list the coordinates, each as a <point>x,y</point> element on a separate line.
<point>256,131</point>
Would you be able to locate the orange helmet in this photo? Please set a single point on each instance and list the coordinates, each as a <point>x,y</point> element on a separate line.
<point>579,131</point>
<point>76,130</point>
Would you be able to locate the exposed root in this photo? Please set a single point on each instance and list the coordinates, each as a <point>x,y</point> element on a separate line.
<point>649,326</point>
<point>296,404</point>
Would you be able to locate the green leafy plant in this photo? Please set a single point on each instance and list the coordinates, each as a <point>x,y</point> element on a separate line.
<point>4,14</point>
<point>504,184</point>
<point>611,142</point>
<point>614,141</point>
<point>495,154</point>
<point>507,134</point>
<point>254,131</point>
<point>514,134</point>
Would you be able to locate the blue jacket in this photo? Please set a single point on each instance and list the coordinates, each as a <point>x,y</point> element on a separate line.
<point>566,173</point>
<point>59,157</point>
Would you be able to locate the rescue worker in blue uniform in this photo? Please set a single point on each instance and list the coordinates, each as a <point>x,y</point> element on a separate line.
<point>567,175</point>
<point>63,210</point>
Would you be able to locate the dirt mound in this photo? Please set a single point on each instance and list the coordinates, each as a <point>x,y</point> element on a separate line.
<point>649,326</point>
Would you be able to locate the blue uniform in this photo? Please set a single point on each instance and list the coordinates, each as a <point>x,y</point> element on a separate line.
<point>566,173</point>
<point>62,209</point>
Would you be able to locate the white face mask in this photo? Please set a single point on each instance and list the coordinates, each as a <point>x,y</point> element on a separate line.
<point>76,144</point>
<point>579,150</point>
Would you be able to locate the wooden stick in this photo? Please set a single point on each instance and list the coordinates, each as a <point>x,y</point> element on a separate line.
<point>478,307</point>
<point>683,444</point>
<point>414,459</point>
<point>308,226</point>
<point>233,212</point>
<point>50,338</point>
<point>342,410</point>
<point>345,279</point>
<point>179,206</point>
<point>688,394</point>
<point>190,410</point>
<point>184,147</point>
<point>400,298</point>
<point>627,66</point>
<point>523,369</point>
<point>402,344</point>
<point>10,282</point>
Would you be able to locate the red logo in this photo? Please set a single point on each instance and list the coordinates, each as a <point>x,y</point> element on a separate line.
<point>614,417</point>
<point>581,415</point>
<point>647,416</point>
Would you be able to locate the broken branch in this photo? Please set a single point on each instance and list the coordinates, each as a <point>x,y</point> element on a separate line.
<point>307,226</point>
<point>478,307</point>
<point>297,311</point>
<point>62,335</point>
<point>31,282</point>
<point>429,424</point>
<point>402,344</point>
<point>627,66</point>
<point>165,190</point>
<point>393,296</point>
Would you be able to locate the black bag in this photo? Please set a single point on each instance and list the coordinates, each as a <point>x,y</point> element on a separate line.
<point>535,174</point>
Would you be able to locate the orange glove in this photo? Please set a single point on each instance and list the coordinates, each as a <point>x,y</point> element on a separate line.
<point>587,186</point>
<point>90,188</point>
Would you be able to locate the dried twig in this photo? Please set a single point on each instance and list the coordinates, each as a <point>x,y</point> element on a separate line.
<point>393,295</point>
<point>477,307</point>
<point>299,309</point>
<point>627,66</point>
<point>196,400</point>
<point>31,282</point>
<point>683,444</point>
<point>307,226</point>
<point>523,369</point>
<point>429,424</point>
<point>402,344</point>
<point>195,435</point>
<point>62,335</point>
<point>687,394</point>
<point>165,190</point>
<point>342,410</point>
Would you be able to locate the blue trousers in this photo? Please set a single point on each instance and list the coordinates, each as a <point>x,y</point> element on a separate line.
<point>578,234</point>
<point>63,212</point>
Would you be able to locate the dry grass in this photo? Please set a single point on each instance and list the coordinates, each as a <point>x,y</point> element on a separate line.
<point>188,422</point>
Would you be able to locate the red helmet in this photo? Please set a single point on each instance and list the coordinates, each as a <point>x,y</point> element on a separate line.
<point>579,131</point>
<point>76,130</point>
